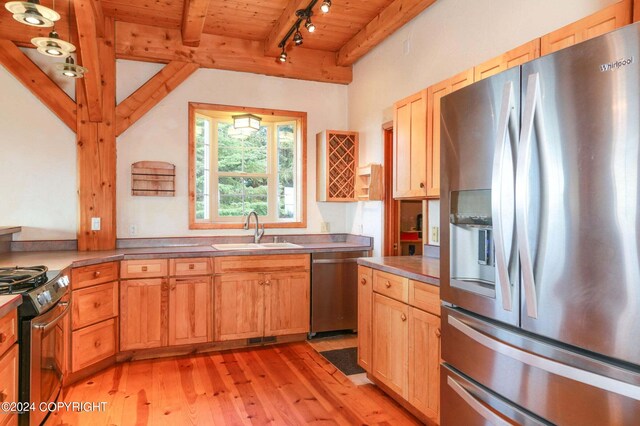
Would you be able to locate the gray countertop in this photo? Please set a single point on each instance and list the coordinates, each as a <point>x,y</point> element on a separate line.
<point>61,259</point>
<point>9,302</point>
<point>419,268</point>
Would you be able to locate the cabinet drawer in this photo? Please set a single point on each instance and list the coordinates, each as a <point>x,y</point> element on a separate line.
<point>286,262</point>
<point>93,344</point>
<point>94,274</point>
<point>193,266</point>
<point>8,330</point>
<point>424,296</point>
<point>147,268</point>
<point>8,381</point>
<point>94,304</point>
<point>391,286</point>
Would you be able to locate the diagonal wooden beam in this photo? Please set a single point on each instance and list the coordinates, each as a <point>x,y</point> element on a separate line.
<point>155,44</point>
<point>153,91</point>
<point>282,25</point>
<point>18,64</point>
<point>99,17</point>
<point>88,40</point>
<point>382,26</point>
<point>193,16</point>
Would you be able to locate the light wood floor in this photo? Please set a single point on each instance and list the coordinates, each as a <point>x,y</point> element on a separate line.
<point>334,342</point>
<point>288,384</point>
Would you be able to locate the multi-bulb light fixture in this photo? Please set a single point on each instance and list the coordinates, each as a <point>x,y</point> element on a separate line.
<point>34,14</point>
<point>302,15</point>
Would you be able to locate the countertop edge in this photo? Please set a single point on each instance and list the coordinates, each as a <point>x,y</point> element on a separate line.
<point>399,271</point>
<point>7,230</point>
<point>14,300</point>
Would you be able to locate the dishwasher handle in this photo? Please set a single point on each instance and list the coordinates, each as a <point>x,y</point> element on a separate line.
<point>349,260</point>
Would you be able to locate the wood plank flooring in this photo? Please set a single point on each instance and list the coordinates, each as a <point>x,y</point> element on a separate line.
<point>334,342</point>
<point>289,384</point>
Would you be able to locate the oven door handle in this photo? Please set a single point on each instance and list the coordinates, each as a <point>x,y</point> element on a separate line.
<point>45,326</point>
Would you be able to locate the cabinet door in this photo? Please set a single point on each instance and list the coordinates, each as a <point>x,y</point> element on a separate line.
<point>190,312</point>
<point>424,362</point>
<point>287,303</point>
<point>435,93</point>
<point>409,156</point>
<point>238,306</point>
<point>365,296</point>
<point>510,59</point>
<point>142,322</point>
<point>390,335</point>
<point>8,380</point>
<point>603,21</point>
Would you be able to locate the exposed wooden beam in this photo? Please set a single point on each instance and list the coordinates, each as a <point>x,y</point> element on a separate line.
<point>22,68</point>
<point>99,17</point>
<point>193,16</point>
<point>153,91</point>
<point>154,44</point>
<point>282,25</point>
<point>636,10</point>
<point>382,26</point>
<point>88,40</point>
<point>96,156</point>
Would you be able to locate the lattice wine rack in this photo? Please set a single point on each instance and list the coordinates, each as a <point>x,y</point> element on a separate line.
<point>337,162</point>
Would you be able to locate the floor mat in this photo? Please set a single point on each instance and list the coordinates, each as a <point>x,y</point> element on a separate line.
<point>346,360</point>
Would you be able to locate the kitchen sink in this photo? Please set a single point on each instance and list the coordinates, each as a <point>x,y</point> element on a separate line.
<point>253,246</point>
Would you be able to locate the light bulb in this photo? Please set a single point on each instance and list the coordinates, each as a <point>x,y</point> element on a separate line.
<point>283,56</point>
<point>309,26</point>
<point>325,6</point>
<point>297,38</point>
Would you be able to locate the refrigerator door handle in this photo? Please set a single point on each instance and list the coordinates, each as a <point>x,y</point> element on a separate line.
<point>475,404</point>
<point>502,192</point>
<point>532,117</point>
<point>546,364</point>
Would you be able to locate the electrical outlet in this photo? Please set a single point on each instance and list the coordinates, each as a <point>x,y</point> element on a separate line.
<point>95,223</point>
<point>435,234</point>
<point>133,230</point>
<point>324,227</point>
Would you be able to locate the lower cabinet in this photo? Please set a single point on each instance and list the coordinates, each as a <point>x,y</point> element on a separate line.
<point>190,314</point>
<point>141,307</point>
<point>403,340</point>
<point>9,381</point>
<point>287,303</point>
<point>92,344</point>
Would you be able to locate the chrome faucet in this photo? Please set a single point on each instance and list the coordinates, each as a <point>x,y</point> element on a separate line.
<point>259,232</point>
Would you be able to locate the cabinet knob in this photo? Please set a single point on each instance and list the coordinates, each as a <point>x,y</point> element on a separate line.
<point>96,305</point>
<point>260,282</point>
<point>3,337</point>
<point>387,284</point>
<point>96,274</point>
<point>192,266</point>
<point>363,281</point>
<point>421,184</point>
<point>438,332</point>
<point>403,317</point>
<point>97,344</point>
<point>267,282</point>
<point>144,269</point>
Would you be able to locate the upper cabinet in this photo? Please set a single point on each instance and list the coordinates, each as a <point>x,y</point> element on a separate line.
<point>510,59</point>
<point>336,164</point>
<point>409,144</point>
<point>436,92</point>
<point>605,20</point>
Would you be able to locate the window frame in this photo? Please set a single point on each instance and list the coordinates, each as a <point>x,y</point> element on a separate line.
<point>300,118</point>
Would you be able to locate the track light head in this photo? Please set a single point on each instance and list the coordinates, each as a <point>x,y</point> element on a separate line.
<point>297,38</point>
<point>309,25</point>
<point>283,56</point>
<point>325,6</point>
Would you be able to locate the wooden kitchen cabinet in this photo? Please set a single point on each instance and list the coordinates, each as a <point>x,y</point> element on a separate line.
<point>239,306</point>
<point>94,304</point>
<point>435,93</point>
<point>424,362</point>
<point>605,20</point>
<point>142,323</point>
<point>409,145</point>
<point>390,343</point>
<point>365,309</point>
<point>287,303</point>
<point>9,382</point>
<point>514,57</point>
<point>336,164</point>
<point>92,344</point>
<point>190,310</point>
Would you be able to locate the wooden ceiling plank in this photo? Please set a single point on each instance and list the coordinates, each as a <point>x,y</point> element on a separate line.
<point>282,26</point>
<point>22,68</point>
<point>151,93</point>
<point>384,24</point>
<point>193,16</point>
<point>154,44</point>
<point>87,34</point>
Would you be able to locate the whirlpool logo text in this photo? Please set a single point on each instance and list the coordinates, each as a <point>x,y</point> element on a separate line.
<point>612,66</point>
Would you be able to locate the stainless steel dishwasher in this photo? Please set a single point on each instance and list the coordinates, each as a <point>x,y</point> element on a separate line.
<point>334,291</point>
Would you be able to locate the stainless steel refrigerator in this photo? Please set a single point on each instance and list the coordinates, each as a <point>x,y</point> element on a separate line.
<point>540,256</point>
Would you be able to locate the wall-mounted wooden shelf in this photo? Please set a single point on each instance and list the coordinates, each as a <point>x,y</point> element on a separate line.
<point>369,183</point>
<point>336,160</point>
<point>153,178</point>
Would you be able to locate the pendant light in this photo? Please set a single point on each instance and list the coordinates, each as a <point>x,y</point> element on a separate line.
<point>53,46</point>
<point>69,68</point>
<point>32,13</point>
<point>247,121</point>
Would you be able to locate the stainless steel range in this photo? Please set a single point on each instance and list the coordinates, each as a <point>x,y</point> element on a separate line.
<point>43,323</point>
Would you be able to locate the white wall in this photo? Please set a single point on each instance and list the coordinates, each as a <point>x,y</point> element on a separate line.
<point>447,38</point>
<point>161,135</point>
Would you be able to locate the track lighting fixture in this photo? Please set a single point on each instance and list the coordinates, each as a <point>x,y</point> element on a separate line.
<point>53,46</point>
<point>302,15</point>
<point>70,69</point>
<point>32,13</point>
